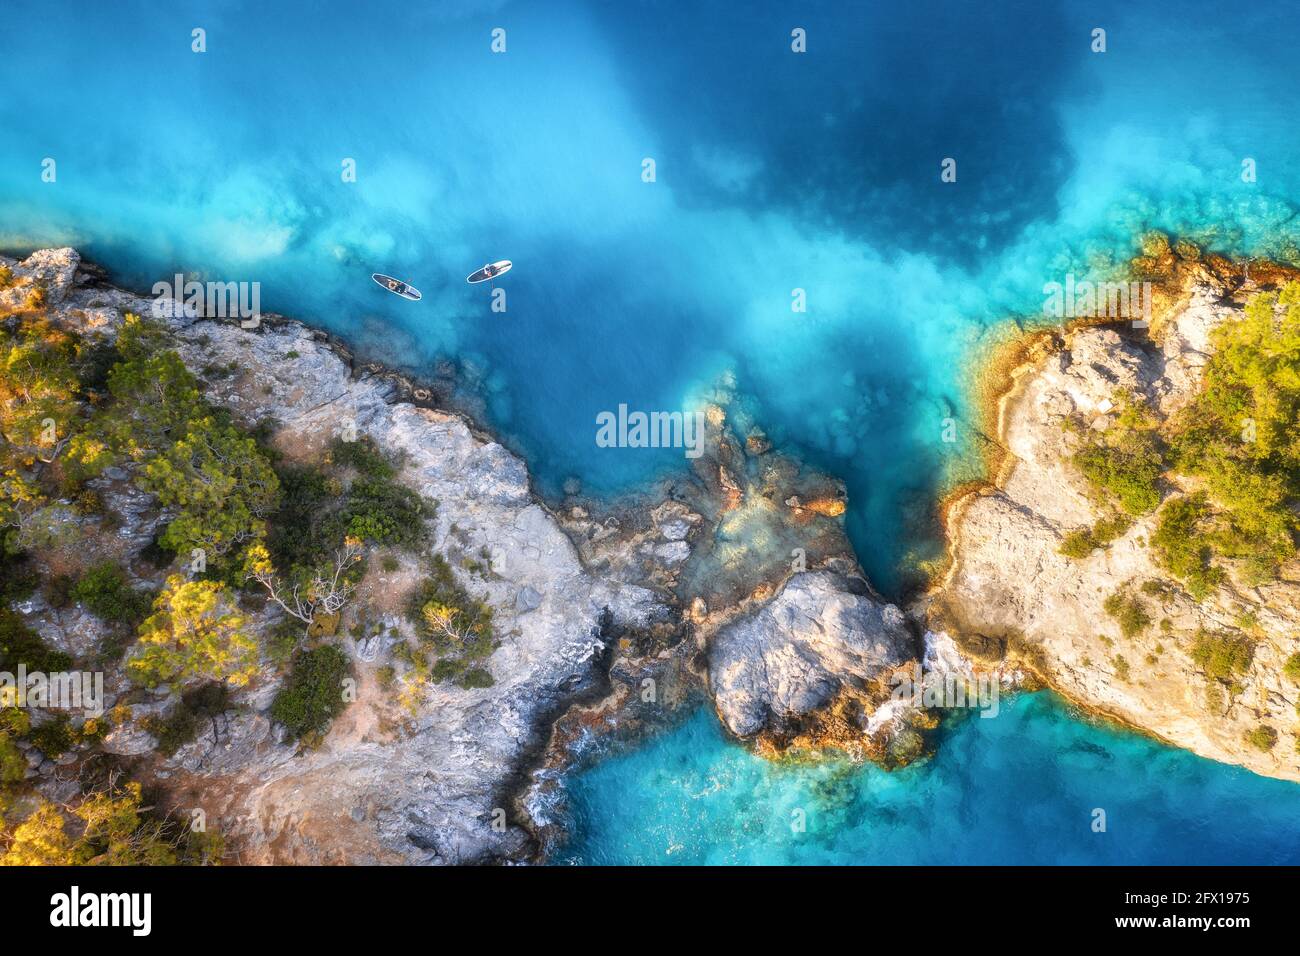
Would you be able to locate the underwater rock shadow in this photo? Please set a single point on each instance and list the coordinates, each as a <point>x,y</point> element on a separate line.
<point>747,122</point>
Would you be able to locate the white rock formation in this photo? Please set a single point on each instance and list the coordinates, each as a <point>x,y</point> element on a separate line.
<point>374,790</point>
<point>1009,578</point>
<point>797,653</point>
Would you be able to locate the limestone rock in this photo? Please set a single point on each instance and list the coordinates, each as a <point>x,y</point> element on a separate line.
<point>54,269</point>
<point>797,653</point>
<point>1009,583</point>
<point>429,780</point>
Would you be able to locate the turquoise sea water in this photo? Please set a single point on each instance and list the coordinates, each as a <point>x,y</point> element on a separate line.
<point>1019,788</point>
<point>775,171</point>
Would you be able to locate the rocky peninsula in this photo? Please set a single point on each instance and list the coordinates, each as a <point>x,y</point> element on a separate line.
<point>733,583</point>
<point>1128,610</point>
<point>584,603</point>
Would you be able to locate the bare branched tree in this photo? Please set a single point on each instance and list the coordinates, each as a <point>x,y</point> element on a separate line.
<point>326,593</point>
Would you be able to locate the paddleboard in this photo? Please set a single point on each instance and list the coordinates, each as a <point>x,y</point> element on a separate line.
<point>397,286</point>
<point>494,271</point>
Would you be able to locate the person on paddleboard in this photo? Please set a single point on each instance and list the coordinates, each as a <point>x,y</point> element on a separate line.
<point>490,271</point>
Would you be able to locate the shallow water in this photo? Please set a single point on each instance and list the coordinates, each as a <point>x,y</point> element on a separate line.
<point>775,172</point>
<point>1019,788</point>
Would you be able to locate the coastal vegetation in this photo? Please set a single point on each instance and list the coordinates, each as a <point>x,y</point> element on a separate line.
<point>1129,612</point>
<point>1182,547</point>
<point>1262,737</point>
<point>1082,542</point>
<point>327,517</point>
<point>20,645</point>
<point>75,407</point>
<point>455,626</point>
<point>113,827</point>
<point>105,592</point>
<point>195,632</point>
<point>1239,435</point>
<point>84,415</point>
<point>1223,656</point>
<point>1236,441</point>
<point>186,718</point>
<point>312,695</point>
<point>1292,667</point>
<point>1124,463</point>
<point>212,477</point>
<point>353,493</point>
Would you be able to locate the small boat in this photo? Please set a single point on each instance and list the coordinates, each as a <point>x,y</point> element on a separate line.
<point>397,286</point>
<point>492,271</point>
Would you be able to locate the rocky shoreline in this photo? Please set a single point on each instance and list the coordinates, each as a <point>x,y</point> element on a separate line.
<point>733,583</point>
<point>587,604</point>
<point>1009,594</point>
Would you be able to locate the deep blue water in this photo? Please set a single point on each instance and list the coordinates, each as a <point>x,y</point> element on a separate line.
<point>775,171</point>
<point>1019,788</point>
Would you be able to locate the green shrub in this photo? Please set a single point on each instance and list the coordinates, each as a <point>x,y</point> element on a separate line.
<point>1129,612</point>
<point>283,640</point>
<point>1081,543</point>
<point>54,738</point>
<point>18,575</point>
<point>319,508</point>
<point>89,503</point>
<point>1182,548</point>
<point>476,677</point>
<point>1262,738</point>
<point>1292,667</point>
<point>1222,656</point>
<point>446,668</point>
<point>106,594</point>
<point>1108,529</point>
<point>184,721</point>
<point>15,721</point>
<point>385,512</point>
<point>95,359</point>
<point>297,536</point>
<point>1126,461</point>
<point>363,456</point>
<point>313,693</point>
<point>1078,544</point>
<point>58,590</point>
<point>1131,478</point>
<point>21,645</point>
<point>13,765</point>
<point>1121,667</point>
<point>448,618</point>
<point>455,624</point>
